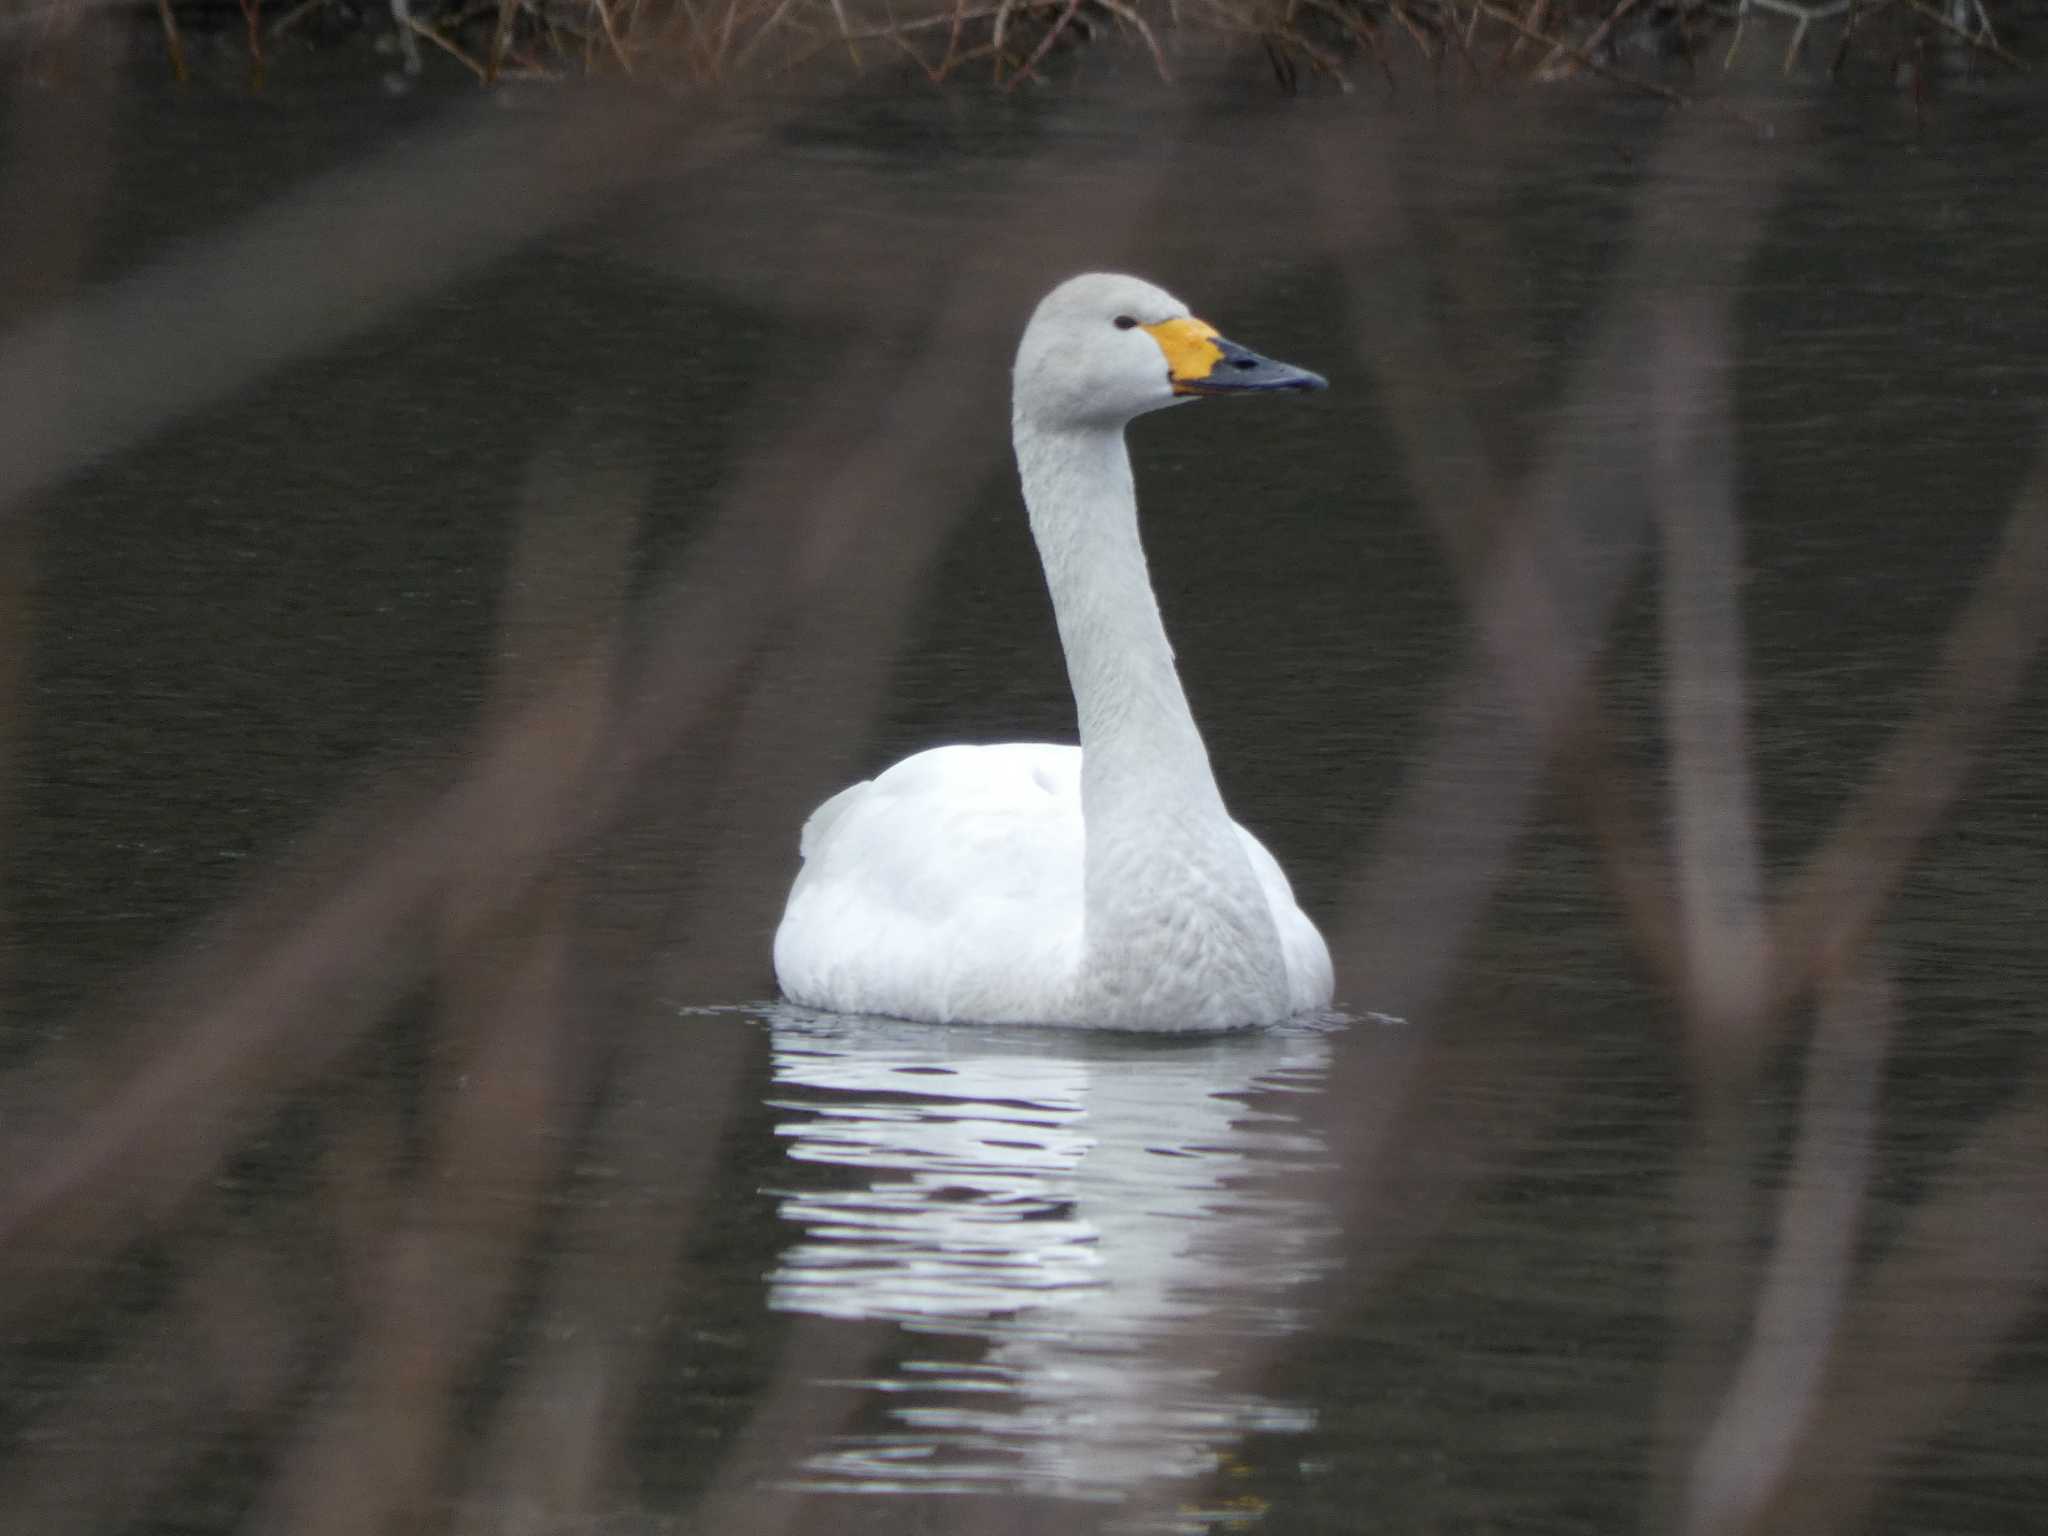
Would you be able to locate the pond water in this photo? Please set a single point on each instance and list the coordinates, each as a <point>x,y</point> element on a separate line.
<point>1052,1206</point>
<point>444,569</point>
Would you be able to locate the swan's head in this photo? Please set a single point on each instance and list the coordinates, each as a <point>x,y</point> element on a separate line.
<point>1102,348</point>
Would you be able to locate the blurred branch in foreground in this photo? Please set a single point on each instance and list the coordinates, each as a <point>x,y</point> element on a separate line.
<point>277,987</point>
<point>510,1042</point>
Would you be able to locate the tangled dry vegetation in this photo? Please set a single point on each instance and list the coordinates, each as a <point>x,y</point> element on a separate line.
<point>1650,44</point>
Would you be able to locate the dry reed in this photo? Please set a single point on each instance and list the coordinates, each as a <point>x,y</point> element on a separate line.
<point>1665,48</point>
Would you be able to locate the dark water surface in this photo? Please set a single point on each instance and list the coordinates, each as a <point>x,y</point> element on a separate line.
<point>1487,1250</point>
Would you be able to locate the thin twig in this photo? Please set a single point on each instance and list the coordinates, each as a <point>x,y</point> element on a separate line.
<point>947,64</point>
<point>1545,70</point>
<point>1002,29</point>
<point>1539,12</point>
<point>293,17</point>
<point>1984,21</point>
<point>1749,1448</point>
<point>1905,1366</point>
<point>761,33</point>
<point>1988,44</point>
<point>611,34</point>
<point>1359,28</point>
<point>845,30</point>
<point>1606,71</point>
<point>1119,9</point>
<point>450,47</point>
<point>903,46</point>
<point>922,24</point>
<point>1804,15</point>
<point>173,41</point>
<point>685,23</point>
<point>968,56</point>
<point>1985,661</point>
<point>1408,23</point>
<point>1856,11</point>
<point>252,19</point>
<point>501,37</point>
<point>1460,36</point>
<point>719,50</point>
<point>1735,37</point>
<point>1045,43</point>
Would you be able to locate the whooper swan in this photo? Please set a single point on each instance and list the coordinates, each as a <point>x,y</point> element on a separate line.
<point>1103,885</point>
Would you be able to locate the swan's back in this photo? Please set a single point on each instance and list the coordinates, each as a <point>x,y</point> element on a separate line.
<point>949,887</point>
<point>952,887</point>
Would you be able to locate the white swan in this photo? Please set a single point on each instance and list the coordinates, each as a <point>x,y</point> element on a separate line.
<point>1101,885</point>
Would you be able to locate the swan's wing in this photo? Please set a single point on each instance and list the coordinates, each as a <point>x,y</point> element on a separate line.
<point>1311,982</point>
<point>948,887</point>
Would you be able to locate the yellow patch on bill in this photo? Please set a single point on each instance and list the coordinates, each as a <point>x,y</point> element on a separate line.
<point>1190,348</point>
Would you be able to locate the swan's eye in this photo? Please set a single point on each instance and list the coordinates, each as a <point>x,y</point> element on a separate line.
<point>1125,323</point>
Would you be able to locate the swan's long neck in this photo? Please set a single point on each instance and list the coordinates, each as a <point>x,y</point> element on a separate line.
<point>1137,733</point>
<point>1176,921</point>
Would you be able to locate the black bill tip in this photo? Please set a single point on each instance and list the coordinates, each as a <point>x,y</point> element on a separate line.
<point>1241,371</point>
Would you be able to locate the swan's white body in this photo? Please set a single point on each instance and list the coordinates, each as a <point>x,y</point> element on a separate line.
<point>1100,885</point>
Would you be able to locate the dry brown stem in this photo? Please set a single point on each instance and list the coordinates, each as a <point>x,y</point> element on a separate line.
<point>174,42</point>
<point>224,310</point>
<point>1985,660</point>
<point>1540,569</point>
<point>252,21</point>
<point>220,1353</point>
<point>1963,1275</point>
<point>1746,1451</point>
<point>433,34</point>
<point>372,1457</point>
<point>55,182</point>
<point>1984,42</point>
<point>275,988</point>
<point>1591,44</point>
<point>1716,858</point>
<point>1580,56</point>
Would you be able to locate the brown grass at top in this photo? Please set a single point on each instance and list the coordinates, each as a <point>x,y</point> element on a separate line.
<point>1660,46</point>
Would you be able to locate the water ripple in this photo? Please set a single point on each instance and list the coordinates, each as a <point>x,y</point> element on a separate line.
<point>1054,1220</point>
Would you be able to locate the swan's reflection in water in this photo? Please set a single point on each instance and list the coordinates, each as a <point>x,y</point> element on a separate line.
<point>1063,1224</point>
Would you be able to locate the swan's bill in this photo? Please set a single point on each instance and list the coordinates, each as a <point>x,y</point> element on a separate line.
<point>1200,362</point>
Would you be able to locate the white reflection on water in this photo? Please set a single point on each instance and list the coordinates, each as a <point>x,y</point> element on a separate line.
<point>1063,1224</point>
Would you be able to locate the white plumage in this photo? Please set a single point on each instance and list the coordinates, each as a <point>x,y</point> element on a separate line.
<point>1104,884</point>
